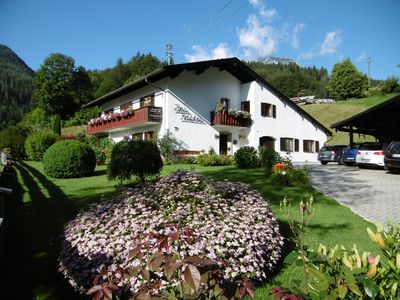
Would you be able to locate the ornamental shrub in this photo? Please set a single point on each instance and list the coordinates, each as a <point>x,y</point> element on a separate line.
<point>207,160</point>
<point>229,223</point>
<point>69,158</point>
<point>37,143</point>
<point>247,157</point>
<point>139,158</point>
<point>285,174</point>
<point>269,157</point>
<point>14,138</point>
<point>102,147</point>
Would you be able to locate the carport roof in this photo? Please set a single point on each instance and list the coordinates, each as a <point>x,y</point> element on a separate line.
<point>381,121</point>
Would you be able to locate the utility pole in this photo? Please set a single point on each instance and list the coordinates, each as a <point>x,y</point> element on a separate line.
<point>169,53</point>
<point>369,60</point>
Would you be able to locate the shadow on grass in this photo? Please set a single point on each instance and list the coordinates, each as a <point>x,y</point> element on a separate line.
<point>32,237</point>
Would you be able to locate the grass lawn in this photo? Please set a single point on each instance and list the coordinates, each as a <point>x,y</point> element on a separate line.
<point>40,206</point>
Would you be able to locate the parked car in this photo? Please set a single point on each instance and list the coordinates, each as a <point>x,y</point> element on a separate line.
<point>370,155</point>
<point>330,154</point>
<point>349,154</point>
<point>392,157</point>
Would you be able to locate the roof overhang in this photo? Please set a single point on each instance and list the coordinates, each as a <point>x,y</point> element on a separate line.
<point>381,121</point>
<point>233,65</point>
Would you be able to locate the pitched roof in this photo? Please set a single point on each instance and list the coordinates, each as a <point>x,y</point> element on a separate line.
<point>233,65</point>
<point>381,121</point>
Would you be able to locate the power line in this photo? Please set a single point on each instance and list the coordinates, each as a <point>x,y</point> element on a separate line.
<point>224,19</point>
<point>212,16</point>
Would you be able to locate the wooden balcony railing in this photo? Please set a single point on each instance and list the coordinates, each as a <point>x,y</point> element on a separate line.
<point>141,116</point>
<point>223,118</point>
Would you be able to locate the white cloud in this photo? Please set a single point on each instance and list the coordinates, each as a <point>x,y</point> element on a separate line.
<point>258,40</point>
<point>362,57</point>
<point>199,53</point>
<point>295,42</point>
<point>329,46</point>
<point>331,43</point>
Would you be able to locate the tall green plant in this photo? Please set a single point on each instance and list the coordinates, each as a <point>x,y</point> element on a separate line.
<point>37,143</point>
<point>168,143</point>
<point>56,124</point>
<point>269,157</point>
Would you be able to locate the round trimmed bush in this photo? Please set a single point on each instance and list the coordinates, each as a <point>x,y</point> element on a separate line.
<point>140,158</point>
<point>247,157</point>
<point>69,158</point>
<point>37,143</point>
<point>229,222</point>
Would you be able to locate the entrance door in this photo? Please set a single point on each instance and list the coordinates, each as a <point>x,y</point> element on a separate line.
<point>268,142</point>
<point>223,144</point>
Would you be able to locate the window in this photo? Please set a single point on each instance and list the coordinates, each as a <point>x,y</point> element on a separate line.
<point>224,103</point>
<point>287,144</point>
<point>268,110</point>
<point>147,101</point>
<point>296,145</point>
<point>308,146</point>
<point>245,106</point>
<point>148,136</point>
<point>316,146</point>
<point>126,106</point>
<point>137,136</point>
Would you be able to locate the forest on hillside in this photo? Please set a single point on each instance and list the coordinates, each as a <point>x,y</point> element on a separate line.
<point>15,87</point>
<point>59,87</point>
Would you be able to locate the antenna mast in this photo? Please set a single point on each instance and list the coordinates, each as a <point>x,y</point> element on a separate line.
<point>169,53</point>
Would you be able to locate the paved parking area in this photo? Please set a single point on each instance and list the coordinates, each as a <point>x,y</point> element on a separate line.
<point>372,194</point>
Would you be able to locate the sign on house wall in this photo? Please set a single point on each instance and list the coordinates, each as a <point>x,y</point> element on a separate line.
<point>187,116</point>
<point>155,114</point>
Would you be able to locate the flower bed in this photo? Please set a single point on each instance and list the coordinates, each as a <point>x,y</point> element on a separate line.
<point>231,224</point>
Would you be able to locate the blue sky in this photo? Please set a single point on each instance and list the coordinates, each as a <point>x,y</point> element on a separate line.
<point>311,32</point>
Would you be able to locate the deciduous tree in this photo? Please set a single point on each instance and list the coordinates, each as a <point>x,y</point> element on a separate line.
<point>346,81</point>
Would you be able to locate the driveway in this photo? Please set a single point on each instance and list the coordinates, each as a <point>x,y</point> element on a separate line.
<point>372,194</point>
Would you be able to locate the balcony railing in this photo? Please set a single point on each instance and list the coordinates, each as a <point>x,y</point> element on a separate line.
<point>225,119</point>
<point>141,116</point>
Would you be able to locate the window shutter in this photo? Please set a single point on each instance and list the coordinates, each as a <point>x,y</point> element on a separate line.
<point>282,144</point>
<point>316,146</point>
<point>296,145</point>
<point>274,111</point>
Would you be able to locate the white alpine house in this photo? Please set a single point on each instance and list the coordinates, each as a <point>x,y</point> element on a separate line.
<point>220,104</point>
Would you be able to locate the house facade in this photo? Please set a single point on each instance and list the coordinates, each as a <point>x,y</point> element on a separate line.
<point>219,104</point>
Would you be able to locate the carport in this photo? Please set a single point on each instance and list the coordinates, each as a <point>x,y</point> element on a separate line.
<point>381,121</point>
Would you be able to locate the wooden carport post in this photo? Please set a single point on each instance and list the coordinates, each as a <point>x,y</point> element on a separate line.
<point>351,135</point>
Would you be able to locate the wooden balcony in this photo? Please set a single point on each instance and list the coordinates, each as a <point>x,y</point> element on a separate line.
<point>222,118</point>
<point>139,117</point>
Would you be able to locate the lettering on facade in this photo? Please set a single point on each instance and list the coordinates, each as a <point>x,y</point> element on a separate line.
<point>187,116</point>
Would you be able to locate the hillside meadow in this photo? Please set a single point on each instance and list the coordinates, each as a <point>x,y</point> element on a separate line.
<point>329,114</point>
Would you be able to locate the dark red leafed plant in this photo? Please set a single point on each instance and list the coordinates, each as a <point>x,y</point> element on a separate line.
<point>104,288</point>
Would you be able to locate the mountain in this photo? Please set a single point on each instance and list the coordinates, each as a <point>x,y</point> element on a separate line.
<point>278,60</point>
<point>15,87</point>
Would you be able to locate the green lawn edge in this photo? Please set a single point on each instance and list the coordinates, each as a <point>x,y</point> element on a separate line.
<point>40,207</point>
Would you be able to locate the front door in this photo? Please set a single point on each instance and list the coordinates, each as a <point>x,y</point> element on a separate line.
<point>223,144</point>
<point>268,142</point>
